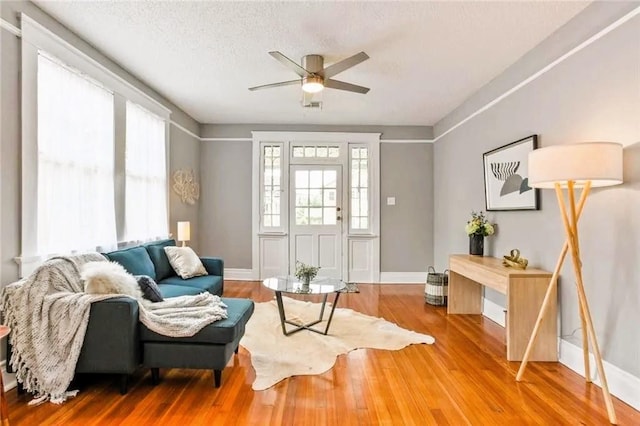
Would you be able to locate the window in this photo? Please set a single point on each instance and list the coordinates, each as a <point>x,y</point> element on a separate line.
<point>359,188</point>
<point>301,151</point>
<point>315,197</point>
<point>146,175</point>
<point>272,184</point>
<point>75,164</point>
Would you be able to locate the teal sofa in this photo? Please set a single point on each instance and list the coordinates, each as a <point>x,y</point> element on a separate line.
<point>112,342</point>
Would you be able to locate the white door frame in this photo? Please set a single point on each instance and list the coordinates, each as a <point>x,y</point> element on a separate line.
<point>361,249</point>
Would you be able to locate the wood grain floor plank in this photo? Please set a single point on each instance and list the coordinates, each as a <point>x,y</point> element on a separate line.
<point>463,379</point>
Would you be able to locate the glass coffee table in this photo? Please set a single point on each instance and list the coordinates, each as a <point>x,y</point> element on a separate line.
<point>320,285</point>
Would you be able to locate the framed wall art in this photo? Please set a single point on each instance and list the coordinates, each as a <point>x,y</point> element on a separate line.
<point>506,182</point>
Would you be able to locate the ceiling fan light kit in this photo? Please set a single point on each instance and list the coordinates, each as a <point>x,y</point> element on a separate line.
<point>312,84</point>
<point>314,77</point>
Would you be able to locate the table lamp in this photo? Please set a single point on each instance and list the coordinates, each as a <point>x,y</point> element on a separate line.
<point>584,165</point>
<point>184,232</point>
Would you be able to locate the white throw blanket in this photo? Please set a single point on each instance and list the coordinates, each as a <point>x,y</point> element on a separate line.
<point>48,313</point>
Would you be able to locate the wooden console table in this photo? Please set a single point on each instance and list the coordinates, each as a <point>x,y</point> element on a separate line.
<point>525,291</point>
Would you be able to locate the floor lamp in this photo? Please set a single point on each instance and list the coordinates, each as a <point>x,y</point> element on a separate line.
<point>584,165</point>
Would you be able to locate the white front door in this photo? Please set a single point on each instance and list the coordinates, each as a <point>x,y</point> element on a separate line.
<point>315,222</point>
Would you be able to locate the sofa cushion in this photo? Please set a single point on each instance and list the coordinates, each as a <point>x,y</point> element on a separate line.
<point>159,258</point>
<point>210,283</point>
<point>170,290</point>
<point>185,262</point>
<point>149,288</point>
<point>220,332</point>
<point>135,260</point>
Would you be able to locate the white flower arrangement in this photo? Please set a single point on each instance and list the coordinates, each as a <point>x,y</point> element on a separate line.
<point>479,225</point>
<point>306,273</point>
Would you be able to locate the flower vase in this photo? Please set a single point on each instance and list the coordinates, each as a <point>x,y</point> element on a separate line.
<point>476,244</point>
<point>305,283</point>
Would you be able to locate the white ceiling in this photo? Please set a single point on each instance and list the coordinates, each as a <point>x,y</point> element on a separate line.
<point>426,57</point>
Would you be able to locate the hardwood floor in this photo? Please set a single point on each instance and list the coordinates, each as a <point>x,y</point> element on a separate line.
<point>462,379</point>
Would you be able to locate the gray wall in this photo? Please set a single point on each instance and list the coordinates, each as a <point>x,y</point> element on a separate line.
<point>225,208</point>
<point>184,154</point>
<point>406,228</point>
<point>593,95</point>
<point>10,145</point>
<point>226,199</point>
<point>244,130</point>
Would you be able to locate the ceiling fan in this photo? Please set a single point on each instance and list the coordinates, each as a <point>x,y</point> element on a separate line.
<point>314,77</point>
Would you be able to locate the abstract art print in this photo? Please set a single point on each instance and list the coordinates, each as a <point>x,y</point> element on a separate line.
<point>506,181</point>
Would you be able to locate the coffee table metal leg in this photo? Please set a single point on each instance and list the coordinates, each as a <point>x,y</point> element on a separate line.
<point>283,317</point>
<point>333,308</point>
<point>309,326</point>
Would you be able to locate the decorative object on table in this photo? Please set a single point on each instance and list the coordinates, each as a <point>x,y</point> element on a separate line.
<point>306,273</point>
<point>506,181</point>
<point>185,185</point>
<point>477,228</point>
<point>437,288</point>
<point>513,260</point>
<point>184,232</point>
<point>572,166</point>
<point>275,356</point>
<point>350,288</point>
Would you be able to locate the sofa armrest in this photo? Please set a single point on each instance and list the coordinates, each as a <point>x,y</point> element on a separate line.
<point>112,340</point>
<point>214,266</point>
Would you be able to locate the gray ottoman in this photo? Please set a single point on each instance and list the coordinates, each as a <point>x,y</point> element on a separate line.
<point>211,348</point>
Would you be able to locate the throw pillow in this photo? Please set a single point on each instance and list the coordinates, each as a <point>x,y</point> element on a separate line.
<point>185,262</point>
<point>108,278</point>
<point>149,288</point>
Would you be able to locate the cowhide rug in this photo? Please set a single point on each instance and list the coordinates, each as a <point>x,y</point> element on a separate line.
<point>276,357</point>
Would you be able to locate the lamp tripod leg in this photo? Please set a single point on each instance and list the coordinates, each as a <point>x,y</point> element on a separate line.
<point>543,310</point>
<point>572,230</point>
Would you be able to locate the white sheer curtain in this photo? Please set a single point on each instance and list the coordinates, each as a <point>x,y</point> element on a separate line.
<point>146,176</point>
<point>75,207</point>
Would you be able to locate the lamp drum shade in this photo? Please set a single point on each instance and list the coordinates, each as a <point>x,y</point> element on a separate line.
<point>598,162</point>
<point>184,231</point>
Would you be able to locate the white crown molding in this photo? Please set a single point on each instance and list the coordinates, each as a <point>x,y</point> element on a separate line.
<point>544,70</point>
<point>6,25</point>
<point>407,140</point>
<point>226,139</point>
<point>185,130</point>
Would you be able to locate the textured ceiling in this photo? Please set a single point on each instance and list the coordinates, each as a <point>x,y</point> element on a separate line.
<point>426,57</point>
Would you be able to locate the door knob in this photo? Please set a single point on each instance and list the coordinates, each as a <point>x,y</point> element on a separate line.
<point>338,218</point>
<point>337,209</point>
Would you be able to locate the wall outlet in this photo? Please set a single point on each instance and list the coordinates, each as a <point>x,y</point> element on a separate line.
<point>391,201</point>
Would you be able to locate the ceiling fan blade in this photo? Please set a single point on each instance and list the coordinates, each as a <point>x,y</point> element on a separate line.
<point>282,83</point>
<point>345,64</point>
<point>290,64</point>
<point>341,85</point>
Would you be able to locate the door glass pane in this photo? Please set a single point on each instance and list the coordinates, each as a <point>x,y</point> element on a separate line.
<point>315,197</point>
<point>302,197</point>
<point>329,217</point>
<point>329,178</point>
<point>309,151</point>
<point>315,216</point>
<point>321,151</point>
<point>302,179</point>
<point>315,179</point>
<point>329,197</point>
<point>334,152</point>
<point>302,216</point>
<point>298,151</point>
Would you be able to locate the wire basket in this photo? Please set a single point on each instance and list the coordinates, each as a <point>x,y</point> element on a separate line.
<point>437,288</point>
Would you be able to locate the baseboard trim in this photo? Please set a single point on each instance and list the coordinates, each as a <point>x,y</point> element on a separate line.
<point>403,277</point>
<point>493,311</point>
<point>9,379</point>
<point>237,274</point>
<point>622,385</point>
